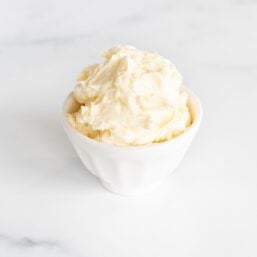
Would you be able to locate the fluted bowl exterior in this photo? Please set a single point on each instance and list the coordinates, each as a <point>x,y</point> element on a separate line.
<point>131,170</point>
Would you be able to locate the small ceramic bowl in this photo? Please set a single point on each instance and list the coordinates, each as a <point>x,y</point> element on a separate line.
<point>131,170</point>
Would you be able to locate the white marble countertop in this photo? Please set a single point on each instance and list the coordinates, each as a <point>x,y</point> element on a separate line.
<point>51,206</point>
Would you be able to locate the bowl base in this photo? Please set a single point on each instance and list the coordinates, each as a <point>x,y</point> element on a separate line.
<point>130,192</point>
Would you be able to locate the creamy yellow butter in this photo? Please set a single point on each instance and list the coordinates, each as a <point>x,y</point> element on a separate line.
<point>133,98</point>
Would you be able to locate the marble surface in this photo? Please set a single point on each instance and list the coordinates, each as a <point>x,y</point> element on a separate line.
<point>51,206</point>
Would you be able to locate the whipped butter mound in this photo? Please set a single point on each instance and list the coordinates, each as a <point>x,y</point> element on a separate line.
<point>133,98</point>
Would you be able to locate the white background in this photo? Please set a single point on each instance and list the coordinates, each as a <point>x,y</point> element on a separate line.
<point>50,206</point>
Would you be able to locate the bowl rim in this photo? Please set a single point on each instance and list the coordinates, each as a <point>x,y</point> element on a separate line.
<point>195,125</point>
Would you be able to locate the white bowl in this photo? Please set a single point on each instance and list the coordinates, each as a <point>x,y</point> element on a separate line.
<point>132,170</point>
